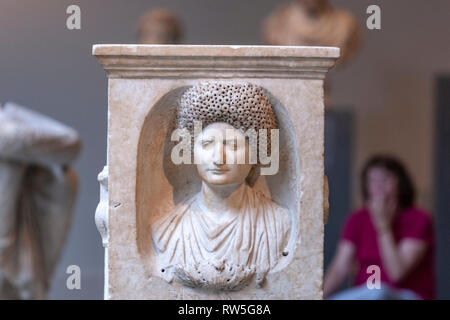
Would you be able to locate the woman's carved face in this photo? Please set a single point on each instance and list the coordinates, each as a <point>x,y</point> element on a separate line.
<point>221,152</point>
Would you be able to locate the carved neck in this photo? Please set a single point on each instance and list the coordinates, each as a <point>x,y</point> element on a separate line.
<point>222,199</point>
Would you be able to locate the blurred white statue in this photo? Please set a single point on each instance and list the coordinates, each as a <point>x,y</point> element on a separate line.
<point>38,191</point>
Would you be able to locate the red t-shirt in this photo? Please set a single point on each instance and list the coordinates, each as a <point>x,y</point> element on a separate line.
<point>410,223</point>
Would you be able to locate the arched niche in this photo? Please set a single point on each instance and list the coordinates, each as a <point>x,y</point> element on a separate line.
<point>161,185</point>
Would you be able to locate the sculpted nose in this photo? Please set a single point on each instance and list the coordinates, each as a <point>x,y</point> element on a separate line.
<point>219,154</point>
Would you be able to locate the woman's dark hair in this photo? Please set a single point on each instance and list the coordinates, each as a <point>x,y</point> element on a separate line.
<point>406,191</point>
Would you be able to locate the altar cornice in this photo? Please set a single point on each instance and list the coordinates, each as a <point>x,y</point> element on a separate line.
<point>215,61</point>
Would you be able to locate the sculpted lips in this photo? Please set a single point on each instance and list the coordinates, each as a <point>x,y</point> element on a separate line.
<point>218,171</point>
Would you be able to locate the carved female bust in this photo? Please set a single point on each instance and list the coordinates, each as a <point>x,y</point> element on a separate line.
<point>229,233</point>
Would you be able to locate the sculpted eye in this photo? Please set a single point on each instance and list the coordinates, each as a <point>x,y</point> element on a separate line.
<point>207,142</point>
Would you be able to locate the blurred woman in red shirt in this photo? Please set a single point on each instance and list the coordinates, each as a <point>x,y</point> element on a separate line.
<point>390,233</point>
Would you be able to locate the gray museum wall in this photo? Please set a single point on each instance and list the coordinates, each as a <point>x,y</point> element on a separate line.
<point>388,88</point>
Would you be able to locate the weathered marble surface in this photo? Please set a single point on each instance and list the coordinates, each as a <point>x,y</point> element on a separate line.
<point>145,83</point>
<point>38,191</point>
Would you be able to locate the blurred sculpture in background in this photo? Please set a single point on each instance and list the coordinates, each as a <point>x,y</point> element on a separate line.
<point>159,26</point>
<point>38,191</point>
<point>313,23</point>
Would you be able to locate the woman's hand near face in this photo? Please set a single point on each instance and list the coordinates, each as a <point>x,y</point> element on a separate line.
<point>382,202</point>
<point>382,210</point>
